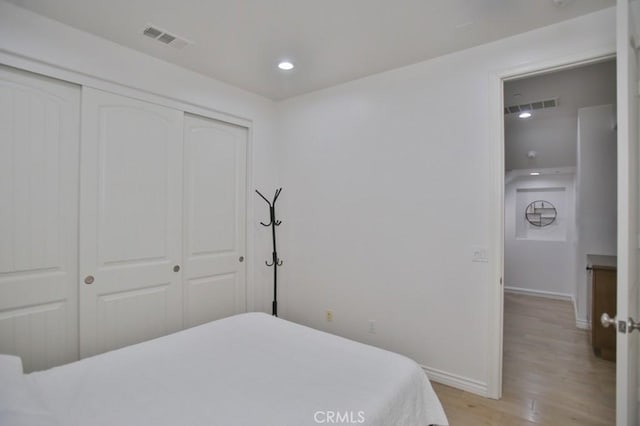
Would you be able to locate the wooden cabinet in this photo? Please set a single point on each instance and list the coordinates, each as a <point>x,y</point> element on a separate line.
<point>604,294</point>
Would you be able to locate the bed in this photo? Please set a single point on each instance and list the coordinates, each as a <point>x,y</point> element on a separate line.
<point>249,369</point>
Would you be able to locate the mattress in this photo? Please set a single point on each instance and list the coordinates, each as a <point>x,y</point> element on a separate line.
<point>249,369</point>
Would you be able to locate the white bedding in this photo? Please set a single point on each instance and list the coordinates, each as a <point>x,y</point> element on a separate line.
<point>250,369</point>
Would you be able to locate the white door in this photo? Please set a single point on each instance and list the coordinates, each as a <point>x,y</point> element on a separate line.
<point>130,221</point>
<point>627,342</point>
<point>215,220</point>
<point>39,127</point>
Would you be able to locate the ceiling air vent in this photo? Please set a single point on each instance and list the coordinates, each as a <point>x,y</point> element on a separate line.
<point>164,37</point>
<point>532,106</point>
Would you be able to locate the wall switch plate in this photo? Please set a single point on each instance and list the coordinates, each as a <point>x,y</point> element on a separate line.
<point>479,254</point>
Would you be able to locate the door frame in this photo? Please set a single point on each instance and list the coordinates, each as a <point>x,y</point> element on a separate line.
<point>496,225</point>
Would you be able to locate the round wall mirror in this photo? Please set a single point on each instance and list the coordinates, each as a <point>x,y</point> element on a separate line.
<point>540,213</point>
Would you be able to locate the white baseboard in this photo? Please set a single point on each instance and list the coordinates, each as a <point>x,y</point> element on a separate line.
<point>583,324</point>
<point>539,293</point>
<point>455,381</point>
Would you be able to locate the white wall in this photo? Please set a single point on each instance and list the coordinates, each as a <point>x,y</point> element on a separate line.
<point>386,196</point>
<point>540,260</point>
<point>552,136</point>
<point>552,133</point>
<point>596,198</point>
<point>30,41</point>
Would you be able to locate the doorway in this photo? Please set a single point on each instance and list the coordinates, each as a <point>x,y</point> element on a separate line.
<point>559,223</point>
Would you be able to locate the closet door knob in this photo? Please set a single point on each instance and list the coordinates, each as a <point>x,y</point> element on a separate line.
<point>89,279</point>
<point>176,268</point>
<point>241,259</point>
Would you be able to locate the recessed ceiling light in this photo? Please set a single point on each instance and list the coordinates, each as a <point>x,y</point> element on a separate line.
<point>525,114</point>
<point>535,173</point>
<point>285,65</point>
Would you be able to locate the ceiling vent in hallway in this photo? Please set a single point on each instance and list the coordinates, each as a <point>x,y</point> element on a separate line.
<point>164,37</point>
<point>532,106</point>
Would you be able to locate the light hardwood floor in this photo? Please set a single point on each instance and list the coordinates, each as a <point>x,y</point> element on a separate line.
<point>550,375</point>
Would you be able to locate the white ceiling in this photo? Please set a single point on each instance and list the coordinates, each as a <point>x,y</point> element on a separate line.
<point>553,132</point>
<point>329,41</point>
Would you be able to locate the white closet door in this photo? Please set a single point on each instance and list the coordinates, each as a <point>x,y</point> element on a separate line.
<point>130,221</point>
<point>215,219</point>
<point>39,126</point>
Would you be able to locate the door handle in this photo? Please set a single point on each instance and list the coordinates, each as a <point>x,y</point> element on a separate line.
<point>89,279</point>
<point>623,327</point>
<point>606,320</point>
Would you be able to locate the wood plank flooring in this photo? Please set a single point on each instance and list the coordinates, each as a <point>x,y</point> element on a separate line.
<point>550,375</point>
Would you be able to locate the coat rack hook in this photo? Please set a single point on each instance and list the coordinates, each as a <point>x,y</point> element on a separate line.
<point>275,262</point>
<point>263,197</point>
<point>278,191</point>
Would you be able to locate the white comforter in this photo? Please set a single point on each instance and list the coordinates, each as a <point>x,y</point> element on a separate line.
<point>250,369</point>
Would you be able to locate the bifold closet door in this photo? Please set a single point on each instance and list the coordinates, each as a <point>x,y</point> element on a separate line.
<point>215,219</point>
<point>39,133</point>
<point>130,221</point>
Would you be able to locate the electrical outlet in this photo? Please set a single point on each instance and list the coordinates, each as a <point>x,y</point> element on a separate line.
<point>372,326</point>
<point>329,316</point>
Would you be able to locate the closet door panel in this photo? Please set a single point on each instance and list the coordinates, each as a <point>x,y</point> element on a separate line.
<point>134,161</point>
<point>215,219</point>
<point>39,145</point>
<point>212,297</point>
<point>131,219</point>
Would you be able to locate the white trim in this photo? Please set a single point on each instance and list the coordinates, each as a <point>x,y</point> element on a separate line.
<point>496,239</point>
<point>496,225</point>
<point>34,65</point>
<point>540,293</point>
<point>250,293</point>
<point>583,324</point>
<point>455,381</point>
<point>511,175</point>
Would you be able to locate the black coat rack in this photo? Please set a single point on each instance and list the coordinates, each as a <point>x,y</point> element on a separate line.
<point>275,261</point>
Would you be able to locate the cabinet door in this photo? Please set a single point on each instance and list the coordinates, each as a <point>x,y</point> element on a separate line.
<point>215,219</point>
<point>39,122</point>
<point>130,221</point>
<point>604,300</point>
